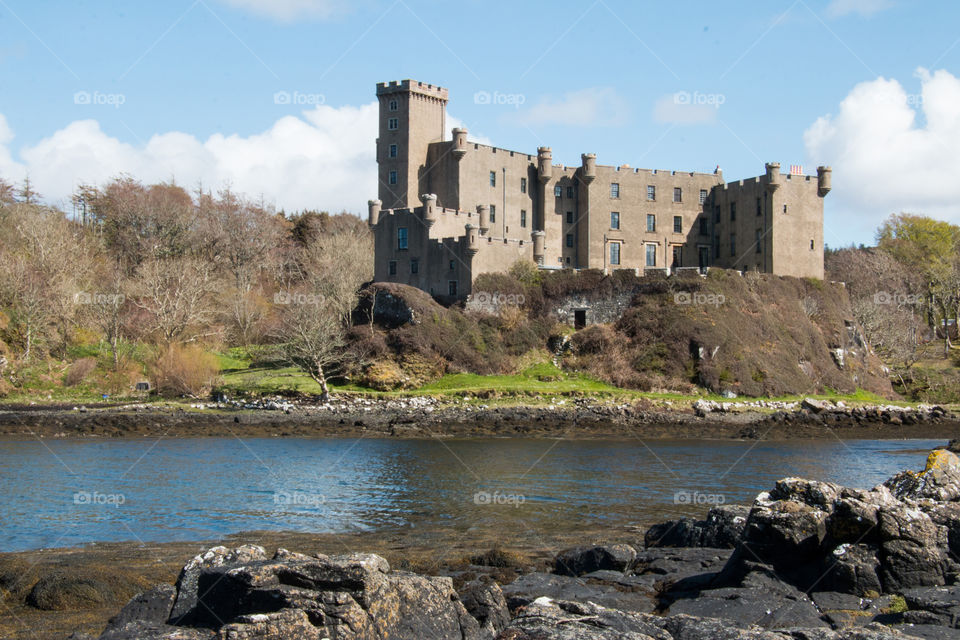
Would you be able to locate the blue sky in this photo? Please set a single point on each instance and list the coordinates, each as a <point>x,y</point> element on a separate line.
<point>186,90</point>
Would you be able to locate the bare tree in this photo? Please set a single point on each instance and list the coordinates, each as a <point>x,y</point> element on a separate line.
<point>315,314</point>
<point>175,294</point>
<point>242,240</point>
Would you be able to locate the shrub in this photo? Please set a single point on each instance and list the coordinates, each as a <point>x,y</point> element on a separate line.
<point>384,376</point>
<point>78,371</point>
<point>185,370</point>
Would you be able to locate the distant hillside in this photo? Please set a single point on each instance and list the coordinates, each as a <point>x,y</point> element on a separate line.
<point>754,335</point>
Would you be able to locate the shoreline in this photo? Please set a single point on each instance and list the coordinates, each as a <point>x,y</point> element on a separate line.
<point>426,418</point>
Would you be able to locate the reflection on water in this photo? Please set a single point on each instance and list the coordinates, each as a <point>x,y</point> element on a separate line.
<point>65,493</point>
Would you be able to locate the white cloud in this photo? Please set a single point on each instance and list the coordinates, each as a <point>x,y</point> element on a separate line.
<point>587,107</point>
<point>892,151</point>
<point>323,160</point>
<point>289,10</point>
<point>684,107</point>
<point>839,8</point>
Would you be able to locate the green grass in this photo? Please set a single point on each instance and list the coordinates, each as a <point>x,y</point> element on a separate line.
<point>235,359</point>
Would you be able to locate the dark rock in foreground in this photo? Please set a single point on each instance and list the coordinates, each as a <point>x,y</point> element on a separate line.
<point>808,561</point>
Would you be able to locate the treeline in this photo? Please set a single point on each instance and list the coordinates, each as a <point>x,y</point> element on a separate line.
<point>905,291</point>
<point>157,276</point>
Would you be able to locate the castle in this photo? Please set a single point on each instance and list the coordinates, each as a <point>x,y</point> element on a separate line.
<point>483,208</point>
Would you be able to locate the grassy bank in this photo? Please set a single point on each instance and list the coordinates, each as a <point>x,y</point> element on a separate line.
<point>241,376</point>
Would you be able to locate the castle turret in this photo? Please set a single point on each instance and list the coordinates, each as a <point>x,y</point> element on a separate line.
<point>824,180</point>
<point>484,212</point>
<point>538,246</point>
<point>373,212</point>
<point>588,163</point>
<point>544,163</point>
<point>459,143</point>
<point>773,175</point>
<point>429,208</point>
<point>473,240</point>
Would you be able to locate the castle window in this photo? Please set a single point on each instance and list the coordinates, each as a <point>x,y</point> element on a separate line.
<point>614,219</point>
<point>733,211</point>
<point>651,192</point>
<point>393,124</point>
<point>402,238</point>
<point>614,253</point>
<point>678,224</point>
<point>733,245</point>
<point>811,245</point>
<point>392,179</point>
<point>677,256</point>
<point>393,105</point>
<point>393,267</point>
<point>614,189</point>
<point>558,191</point>
<point>759,207</point>
<point>523,218</point>
<point>570,240</point>
<point>704,226</point>
<point>452,287</point>
<point>784,208</point>
<point>651,223</point>
<point>452,265</point>
<point>651,255</point>
<point>569,217</point>
<point>493,178</point>
<point>523,185</point>
<point>414,266</point>
<point>677,194</point>
<point>393,151</point>
<point>759,241</point>
<point>493,213</point>
<point>570,192</point>
<point>703,196</point>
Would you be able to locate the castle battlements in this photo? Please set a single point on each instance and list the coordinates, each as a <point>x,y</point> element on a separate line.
<point>412,86</point>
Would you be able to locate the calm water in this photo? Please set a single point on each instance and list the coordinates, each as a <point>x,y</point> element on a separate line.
<point>64,493</point>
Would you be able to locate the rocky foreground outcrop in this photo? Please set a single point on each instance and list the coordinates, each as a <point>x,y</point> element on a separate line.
<point>807,561</point>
